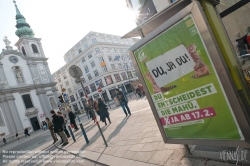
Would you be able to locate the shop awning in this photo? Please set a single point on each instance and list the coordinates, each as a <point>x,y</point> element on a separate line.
<point>158,19</point>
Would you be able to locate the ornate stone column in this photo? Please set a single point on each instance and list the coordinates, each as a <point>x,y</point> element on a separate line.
<point>13,109</point>
<point>41,93</point>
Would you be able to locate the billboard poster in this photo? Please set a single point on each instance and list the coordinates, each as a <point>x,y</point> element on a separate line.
<point>184,85</point>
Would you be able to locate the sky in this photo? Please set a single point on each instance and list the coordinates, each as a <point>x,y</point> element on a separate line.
<point>62,23</point>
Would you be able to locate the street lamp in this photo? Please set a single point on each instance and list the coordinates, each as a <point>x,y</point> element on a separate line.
<point>76,73</point>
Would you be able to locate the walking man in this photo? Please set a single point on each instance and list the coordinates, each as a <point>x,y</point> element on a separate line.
<point>51,129</point>
<point>58,127</point>
<point>60,115</point>
<point>123,102</point>
<point>4,141</point>
<point>26,132</point>
<point>72,119</point>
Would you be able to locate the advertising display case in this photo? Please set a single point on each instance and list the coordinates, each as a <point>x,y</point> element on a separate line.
<point>187,82</point>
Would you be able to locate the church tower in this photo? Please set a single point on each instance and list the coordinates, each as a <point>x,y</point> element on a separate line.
<point>27,90</point>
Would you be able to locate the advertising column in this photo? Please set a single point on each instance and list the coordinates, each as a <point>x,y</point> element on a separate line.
<point>184,85</point>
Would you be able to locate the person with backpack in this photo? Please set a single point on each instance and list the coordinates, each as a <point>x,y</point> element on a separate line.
<point>123,102</point>
<point>72,119</point>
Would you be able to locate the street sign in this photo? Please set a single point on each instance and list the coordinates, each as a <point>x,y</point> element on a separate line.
<point>75,71</point>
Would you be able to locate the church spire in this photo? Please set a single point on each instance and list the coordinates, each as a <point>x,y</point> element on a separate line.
<point>23,28</point>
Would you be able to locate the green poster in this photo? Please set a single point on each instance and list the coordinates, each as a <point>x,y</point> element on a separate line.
<point>184,85</point>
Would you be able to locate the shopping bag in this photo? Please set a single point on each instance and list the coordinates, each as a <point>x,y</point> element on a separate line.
<point>72,126</point>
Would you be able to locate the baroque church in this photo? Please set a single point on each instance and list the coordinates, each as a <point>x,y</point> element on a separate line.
<point>27,90</point>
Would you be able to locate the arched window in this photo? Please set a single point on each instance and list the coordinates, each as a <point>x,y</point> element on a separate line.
<point>23,50</point>
<point>34,48</point>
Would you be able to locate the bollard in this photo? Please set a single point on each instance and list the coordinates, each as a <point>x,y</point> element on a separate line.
<point>72,135</point>
<point>84,133</point>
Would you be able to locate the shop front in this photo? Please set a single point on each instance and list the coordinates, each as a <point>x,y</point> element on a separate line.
<point>128,87</point>
<point>105,96</point>
<point>112,92</point>
<point>189,58</point>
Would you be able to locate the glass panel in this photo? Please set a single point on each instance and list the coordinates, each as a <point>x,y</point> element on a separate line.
<point>225,4</point>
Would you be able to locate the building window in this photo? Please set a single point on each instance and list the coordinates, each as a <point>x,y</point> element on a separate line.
<point>134,73</point>
<point>86,45</point>
<point>130,74</point>
<point>117,77</point>
<point>72,98</point>
<point>83,60</point>
<point>76,96</point>
<point>59,80</point>
<point>94,40</point>
<point>89,55</point>
<point>101,59</point>
<point>108,80</point>
<point>92,87</point>
<point>104,69</point>
<point>93,64</point>
<point>81,93</point>
<point>120,66</point>
<point>23,51</point>
<point>69,90</point>
<point>34,48</point>
<point>110,58</point>
<point>86,68</point>
<point>27,101</point>
<point>64,77</point>
<point>89,77</point>
<point>124,76</point>
<point>131,64</point>
<point>113,66</point>
<point>67,83</point>
<point>99,83</point>
<point>87,90</point>
<point>97,50</point>
<point>96,73</point>
<point>80,50</point>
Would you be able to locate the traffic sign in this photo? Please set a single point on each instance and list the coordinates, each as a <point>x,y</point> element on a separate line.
<point>75,71</point>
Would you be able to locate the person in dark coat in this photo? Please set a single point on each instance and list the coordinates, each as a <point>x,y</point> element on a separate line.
<point>72,119</point>
<point>26,132</point>
<point>60,115</point>
<point>103,111</point>
<point>4,141</point>
<point>123,102</point>
<point>58,127</point>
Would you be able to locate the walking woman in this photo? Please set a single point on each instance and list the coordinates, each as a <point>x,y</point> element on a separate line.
<point>64,125</point>
<point>103,111</point>
<point>51,129</point>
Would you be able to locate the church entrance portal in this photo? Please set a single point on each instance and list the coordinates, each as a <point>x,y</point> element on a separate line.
<point>35,123</point>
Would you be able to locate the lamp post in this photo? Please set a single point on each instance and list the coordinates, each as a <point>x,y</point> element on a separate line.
<point>76,73</point>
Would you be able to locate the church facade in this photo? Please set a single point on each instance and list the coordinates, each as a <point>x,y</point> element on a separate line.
<point>27,90</point>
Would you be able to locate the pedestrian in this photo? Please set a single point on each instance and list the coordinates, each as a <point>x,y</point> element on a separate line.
<point>72,119</point>
<point>138,91</point>
<point>87,108</point>
<point>44,125</point>
<point>26,132</point>
<point>95,106</point>
<point>123,102</point>
<point>103,111</point>
<point>51,129</point>
<point>4,141</point>
<point>17,136</point>
<point>64,124</point>
<point>58,127</point>
<point>141,89</point>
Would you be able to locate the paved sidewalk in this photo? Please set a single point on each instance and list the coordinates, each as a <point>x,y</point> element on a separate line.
<point>132,141</point>
<point>15,143</point>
